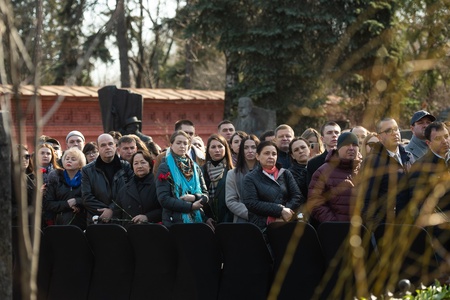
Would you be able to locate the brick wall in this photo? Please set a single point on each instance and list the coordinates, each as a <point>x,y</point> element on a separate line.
<point>159,116</point>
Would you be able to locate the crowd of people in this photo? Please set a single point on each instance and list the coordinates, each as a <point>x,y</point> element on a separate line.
<point>318,176</point>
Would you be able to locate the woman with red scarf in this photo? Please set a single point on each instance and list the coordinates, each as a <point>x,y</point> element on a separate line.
<point>271,193</point>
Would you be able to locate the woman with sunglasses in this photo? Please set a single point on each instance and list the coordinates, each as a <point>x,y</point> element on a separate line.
<point>369,141</point>
<point>27,168</point>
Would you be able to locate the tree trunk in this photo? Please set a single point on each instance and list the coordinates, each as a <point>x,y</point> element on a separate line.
<point>5,213</point>
<point>122,43</point>
<point>231,77</point>
<point>141,50</point>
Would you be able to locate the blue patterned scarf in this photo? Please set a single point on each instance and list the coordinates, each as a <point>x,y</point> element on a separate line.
<point>182,186</point>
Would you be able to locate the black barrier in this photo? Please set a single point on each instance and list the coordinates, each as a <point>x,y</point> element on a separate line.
<point>191,261</point>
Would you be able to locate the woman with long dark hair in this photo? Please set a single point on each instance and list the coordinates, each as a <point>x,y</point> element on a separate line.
<point>218,163</point>
<point>235,142</point>
<point>246,162</point>
<point>300,152</point>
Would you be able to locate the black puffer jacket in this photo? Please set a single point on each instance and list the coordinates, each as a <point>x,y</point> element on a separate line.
<point>300,173</point>
<point>138,197</point>
<point>173,207</point>
<point>263,195</point>
<point>55,201</point>
<point>97,192</point>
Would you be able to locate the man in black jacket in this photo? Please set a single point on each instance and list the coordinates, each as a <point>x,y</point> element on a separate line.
<point>283,137</point>
<point>429,177</point>
<point>429,174</point>
<point>330,132</point>
<point>101,180</point>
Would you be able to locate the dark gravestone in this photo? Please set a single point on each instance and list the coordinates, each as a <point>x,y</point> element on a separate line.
<point>117,106</point>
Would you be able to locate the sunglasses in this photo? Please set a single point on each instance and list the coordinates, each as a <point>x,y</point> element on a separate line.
<point>26,156</point>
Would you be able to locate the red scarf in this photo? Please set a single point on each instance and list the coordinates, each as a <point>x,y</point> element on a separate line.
<point>274,171</point>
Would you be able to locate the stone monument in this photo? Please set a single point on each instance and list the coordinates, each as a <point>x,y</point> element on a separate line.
<point>253,119</point>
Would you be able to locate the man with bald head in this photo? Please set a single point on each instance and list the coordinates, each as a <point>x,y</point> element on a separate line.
<point>102,179</point>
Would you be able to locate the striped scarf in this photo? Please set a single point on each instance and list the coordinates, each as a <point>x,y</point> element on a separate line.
<point>215,174</point>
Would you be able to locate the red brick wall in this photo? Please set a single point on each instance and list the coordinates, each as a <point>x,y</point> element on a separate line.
<point>159,117</point>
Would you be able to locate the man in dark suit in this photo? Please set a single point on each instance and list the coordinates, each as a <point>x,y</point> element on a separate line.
<point>384,182</point>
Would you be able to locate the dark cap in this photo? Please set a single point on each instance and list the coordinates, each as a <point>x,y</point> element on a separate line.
<point>53,141</point>
<point>347,138</point>
<point>132,120</point>
<point>421,114</point>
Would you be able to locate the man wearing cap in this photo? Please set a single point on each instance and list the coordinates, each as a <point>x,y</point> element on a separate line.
<point>419,121</point>
<point>384,184</point>
<point>75,139</point>
<point>331,195</point>
<point>56,146</point>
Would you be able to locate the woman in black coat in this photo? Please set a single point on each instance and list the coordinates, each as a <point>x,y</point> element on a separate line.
<point>137,201</point>
<point>270,193</point>
<point>300,152</point>
<point>63,194</point>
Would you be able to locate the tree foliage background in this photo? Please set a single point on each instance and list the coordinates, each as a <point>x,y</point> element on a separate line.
<point>378,58</point>
<point>385,57</point>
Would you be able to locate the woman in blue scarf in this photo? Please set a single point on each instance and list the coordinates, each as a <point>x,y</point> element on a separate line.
<point>63,195</point>
<point>180,185</point>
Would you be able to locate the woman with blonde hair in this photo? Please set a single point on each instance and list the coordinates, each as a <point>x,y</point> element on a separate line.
<point>369,141</point>
<point>63,196</point>
<point>315,141</point>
